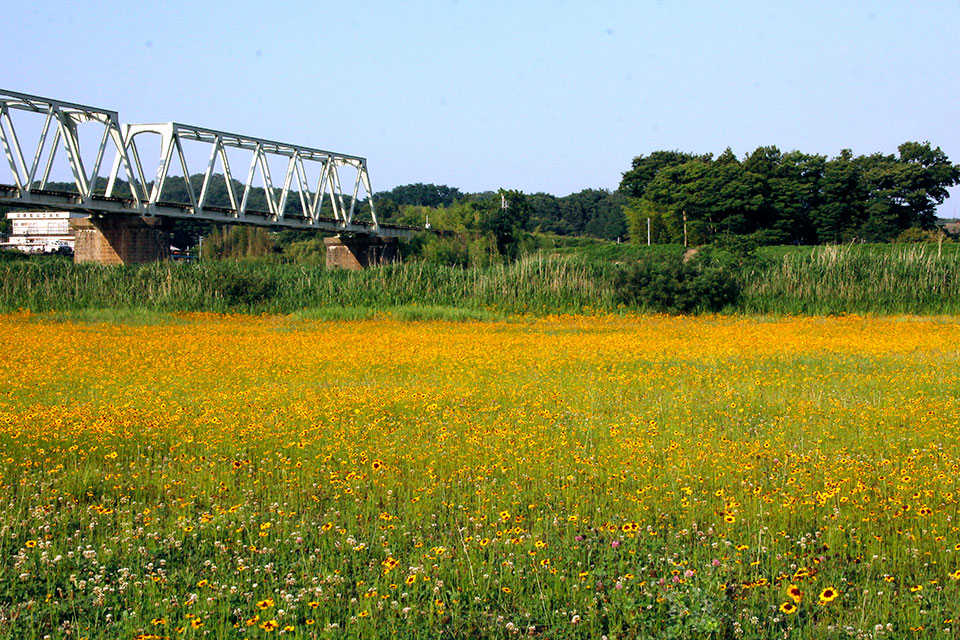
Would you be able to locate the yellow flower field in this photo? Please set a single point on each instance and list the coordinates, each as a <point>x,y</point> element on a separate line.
<point>220,476</point>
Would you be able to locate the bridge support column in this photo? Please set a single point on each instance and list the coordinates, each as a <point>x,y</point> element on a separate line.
<point>119,239</point>
<point>360,252</point>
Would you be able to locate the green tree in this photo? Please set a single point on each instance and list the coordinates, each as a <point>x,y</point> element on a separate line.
<point>923,178</point>
<point>506,218</point>
<point>792,193</point>
<point>840,211</point>
<point>545,214</point>
<point>387,209</point>
<point>883,217</point>
<point>238,241</point>
<point>644,169</point>
<point>707,196</point>
<point>592,212</point>
<point>427,195</point>
<point>5,225</point>
<point>733,196</point>
<point>663,222</point>
<point>675,190</point>
<point>450,250</point>
<point>607,220</point>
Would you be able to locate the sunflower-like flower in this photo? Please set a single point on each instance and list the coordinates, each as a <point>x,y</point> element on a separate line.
<point>828,595</point>
<point>795,594</point>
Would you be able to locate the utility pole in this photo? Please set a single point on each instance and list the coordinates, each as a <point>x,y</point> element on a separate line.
<point>648,232</point>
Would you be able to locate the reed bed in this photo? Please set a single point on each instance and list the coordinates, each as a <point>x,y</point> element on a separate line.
<point>534,284</point>
<point>918,278</point>
<point>893,279</point>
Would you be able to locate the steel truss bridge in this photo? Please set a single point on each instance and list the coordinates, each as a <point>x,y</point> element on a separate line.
<point>138,197</point>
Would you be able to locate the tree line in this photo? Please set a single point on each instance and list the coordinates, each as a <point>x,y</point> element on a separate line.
<point>786,198</point>
<point>769,196</point>
<point>677,197</point>
<point>590,212</point>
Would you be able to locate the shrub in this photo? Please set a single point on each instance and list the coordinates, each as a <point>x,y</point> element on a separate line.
<point>12,255</point>
<point>447,251</point>
<point>915,234</point>
<point>244,289</point>
<point>482,252</point>
<point>311,251</point>
<point>702,283</point>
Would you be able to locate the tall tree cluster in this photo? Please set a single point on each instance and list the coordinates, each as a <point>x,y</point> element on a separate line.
<point>786,197</point>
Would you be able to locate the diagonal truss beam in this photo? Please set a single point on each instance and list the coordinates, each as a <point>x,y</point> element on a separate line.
<point>63,118</point>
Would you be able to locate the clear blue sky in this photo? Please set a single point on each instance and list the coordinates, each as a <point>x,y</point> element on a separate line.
<point>534,95</point>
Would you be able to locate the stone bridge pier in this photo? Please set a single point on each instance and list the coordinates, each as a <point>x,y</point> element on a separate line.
<point>360,252</point>
<point>119,239</point>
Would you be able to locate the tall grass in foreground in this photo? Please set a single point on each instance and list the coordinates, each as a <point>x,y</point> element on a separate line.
<point>825,280</point>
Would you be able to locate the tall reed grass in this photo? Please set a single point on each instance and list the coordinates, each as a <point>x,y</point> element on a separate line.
<point>920,278</point>
<point>534,284</point>
<point>825,280</point>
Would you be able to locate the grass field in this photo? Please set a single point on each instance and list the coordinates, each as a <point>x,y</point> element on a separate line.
<point>650,476</point>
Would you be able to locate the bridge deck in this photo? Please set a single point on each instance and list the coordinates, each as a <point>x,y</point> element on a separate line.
<point>46,199</point>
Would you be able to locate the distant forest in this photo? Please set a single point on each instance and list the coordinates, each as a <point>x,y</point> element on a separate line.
<point>769,196</point>
<point>591,212</point>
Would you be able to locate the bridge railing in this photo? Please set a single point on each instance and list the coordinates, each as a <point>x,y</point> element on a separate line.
<point>309,193</point>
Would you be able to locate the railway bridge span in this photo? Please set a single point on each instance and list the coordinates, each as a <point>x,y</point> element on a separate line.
<point>284,186</point>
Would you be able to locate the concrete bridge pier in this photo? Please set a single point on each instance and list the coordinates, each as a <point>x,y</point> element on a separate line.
<point>360,252</point>
<point>119,239</point>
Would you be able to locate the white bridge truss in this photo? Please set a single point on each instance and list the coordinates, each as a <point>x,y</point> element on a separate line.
<point>295,202</point>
